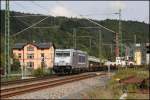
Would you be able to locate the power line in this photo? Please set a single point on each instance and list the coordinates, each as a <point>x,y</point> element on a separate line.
<point>98,24</point>
<point>39,6</point>
<point>29,26</point>
<point>46,27</point>
<point>104,14</point>
<point>92,21</point>
<point>29,16</point>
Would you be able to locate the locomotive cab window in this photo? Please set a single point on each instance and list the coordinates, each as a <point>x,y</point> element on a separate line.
<point>63,54</point>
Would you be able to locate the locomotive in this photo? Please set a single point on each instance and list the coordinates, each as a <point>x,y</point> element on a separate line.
<point>69,61</point>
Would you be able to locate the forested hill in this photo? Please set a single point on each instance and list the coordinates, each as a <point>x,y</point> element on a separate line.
<point>60,31</point>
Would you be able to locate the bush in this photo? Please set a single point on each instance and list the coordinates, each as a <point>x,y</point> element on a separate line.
<point>16,65</point>
<point>38,72</point>
<point>42,72</point>
<point>50,71</point>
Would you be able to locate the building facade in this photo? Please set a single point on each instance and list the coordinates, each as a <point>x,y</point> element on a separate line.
<point>138,54</point>
<point>148,53</point>
<point>35,55</point>
<point>138,57</point>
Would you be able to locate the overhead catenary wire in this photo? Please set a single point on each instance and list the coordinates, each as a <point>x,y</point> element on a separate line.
<point>82,16</point>
<point>98,24</point>
<point>39,6</point>
<point>30,26</point>
<point>29,16</point>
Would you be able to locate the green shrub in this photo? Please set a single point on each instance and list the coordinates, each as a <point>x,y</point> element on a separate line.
<point>50,71</point>
<point>38,72</point>
<point>15,67</point>
<point>42,72</point>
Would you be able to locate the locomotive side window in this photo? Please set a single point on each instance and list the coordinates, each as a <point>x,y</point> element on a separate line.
<point>81,59</point>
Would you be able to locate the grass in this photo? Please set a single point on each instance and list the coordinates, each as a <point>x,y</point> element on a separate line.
<point>137,96</point>
<point>114,89</point>
<point>93,94</point>
<point>10,78</point>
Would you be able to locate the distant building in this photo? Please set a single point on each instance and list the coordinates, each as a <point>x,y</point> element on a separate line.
<point>33,55</point>
<point>147,53</point>
<point>138,57</point>
<point>138,54</point>
<point>142,53</point>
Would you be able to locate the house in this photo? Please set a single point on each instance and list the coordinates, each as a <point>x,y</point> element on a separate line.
<point>33,55</point>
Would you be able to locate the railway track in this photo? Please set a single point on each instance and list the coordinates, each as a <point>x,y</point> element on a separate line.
<point>20,81</point>
<point>9,92</point>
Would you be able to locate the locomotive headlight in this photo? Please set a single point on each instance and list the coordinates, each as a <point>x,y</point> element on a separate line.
<point>91,64</point>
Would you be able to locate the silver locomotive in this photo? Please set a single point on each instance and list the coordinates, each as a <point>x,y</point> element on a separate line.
<point>70,61</point>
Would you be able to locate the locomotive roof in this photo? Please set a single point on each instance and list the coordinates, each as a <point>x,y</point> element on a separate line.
<point>92,58</point>
<point>73,50</point>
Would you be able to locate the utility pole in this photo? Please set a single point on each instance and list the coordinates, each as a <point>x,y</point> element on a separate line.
<point>117,45</point>
<point>110,45</point>
<point>7,39</point>
<point>120,32</point>
<point>134,45</point>
<point>74,38</point>
<point>90,42</point>
<point>134,40</point>
<point>99,46</point>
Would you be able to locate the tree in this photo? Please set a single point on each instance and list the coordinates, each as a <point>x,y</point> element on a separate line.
<point>16,65</point>
<point>2,60</point>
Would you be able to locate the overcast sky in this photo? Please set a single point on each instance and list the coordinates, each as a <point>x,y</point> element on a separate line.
<point>131,10</point>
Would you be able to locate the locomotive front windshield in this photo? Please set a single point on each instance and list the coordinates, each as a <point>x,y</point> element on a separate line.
<point>62,54</point>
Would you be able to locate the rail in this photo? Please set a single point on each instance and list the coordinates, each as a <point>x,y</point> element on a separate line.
<point>6,93</point>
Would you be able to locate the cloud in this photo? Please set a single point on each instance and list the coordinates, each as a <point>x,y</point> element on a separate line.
<point>61,11</point>
<point>116,5</point>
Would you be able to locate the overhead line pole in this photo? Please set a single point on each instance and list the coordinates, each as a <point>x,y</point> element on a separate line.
<point>74,38</point>
<point>99,46</point>
<point>7,39</point>
<point>120,32</point>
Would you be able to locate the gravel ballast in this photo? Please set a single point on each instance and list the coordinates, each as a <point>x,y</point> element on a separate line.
<point>65,90</point>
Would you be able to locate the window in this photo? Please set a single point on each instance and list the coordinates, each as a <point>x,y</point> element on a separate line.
<point>81,59</point>
<point>62,54</point>
<point>30,48</point>
<point>19,55</point>
<point>43,64</point>
<point>30,64</point>
<point>42,54</point>
<point>30,56</point>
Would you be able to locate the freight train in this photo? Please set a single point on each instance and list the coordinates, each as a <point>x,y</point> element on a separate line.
<point>69,61</point>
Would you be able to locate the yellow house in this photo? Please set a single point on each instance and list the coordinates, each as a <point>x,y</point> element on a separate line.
<point>33,55</point>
